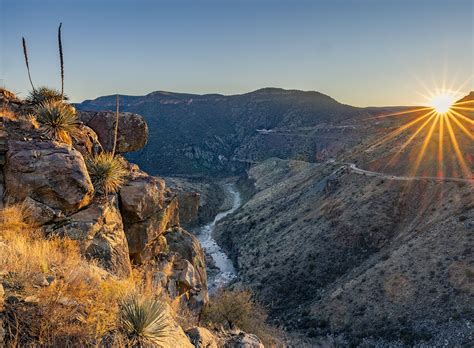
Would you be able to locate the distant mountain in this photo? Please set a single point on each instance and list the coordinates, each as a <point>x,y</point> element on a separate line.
<point>217,134</point>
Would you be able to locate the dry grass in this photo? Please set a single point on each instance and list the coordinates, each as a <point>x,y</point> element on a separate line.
<point>7,113</point>
<point>67,300</point>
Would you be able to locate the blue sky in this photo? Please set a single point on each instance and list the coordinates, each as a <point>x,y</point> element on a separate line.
<point>361,52</point>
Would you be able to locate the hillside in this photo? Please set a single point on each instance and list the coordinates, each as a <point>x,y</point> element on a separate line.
<point>331,250</point>
<point>217,134</point>
<point>372,246</point>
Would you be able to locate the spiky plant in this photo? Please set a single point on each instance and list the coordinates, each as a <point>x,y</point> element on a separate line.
<point>107,172</point>
<point>44,94</point>
<point>57,120</point>
<point>146,320</point>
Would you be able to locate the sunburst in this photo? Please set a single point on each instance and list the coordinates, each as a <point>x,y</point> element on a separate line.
<point>438,127</point>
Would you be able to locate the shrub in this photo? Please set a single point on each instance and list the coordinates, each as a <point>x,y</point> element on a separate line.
<point>237,309</point>
<point>45,94</point>
<point>107,172</point>
<point>58,120</point>
<point>146,320</point>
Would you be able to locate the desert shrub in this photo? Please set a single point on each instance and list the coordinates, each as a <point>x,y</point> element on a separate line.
<point>146,320</point>
<point>237,309</point>
<point>57,120</point>
<point>45,94</point>
<point>69,301</point>
<point>107,172</point>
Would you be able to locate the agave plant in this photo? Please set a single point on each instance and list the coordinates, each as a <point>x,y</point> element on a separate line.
<point>58,120</point>
<point>107,172</point>
<point>44,94</point>
<point>146,320</point>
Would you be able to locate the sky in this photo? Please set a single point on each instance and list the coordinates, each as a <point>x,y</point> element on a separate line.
<point>360,52</point>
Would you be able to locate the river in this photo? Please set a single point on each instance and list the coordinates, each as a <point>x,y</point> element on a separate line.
<point>226,271</point>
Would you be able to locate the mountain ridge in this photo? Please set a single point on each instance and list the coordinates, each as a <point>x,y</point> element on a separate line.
<point>215,134</point>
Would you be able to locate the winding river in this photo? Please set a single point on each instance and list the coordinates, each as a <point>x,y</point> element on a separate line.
<point>226,271</point>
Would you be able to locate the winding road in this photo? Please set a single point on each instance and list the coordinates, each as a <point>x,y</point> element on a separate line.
<point>353,167</point>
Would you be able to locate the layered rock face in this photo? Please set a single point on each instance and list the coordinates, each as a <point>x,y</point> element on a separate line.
<point>99,231</point>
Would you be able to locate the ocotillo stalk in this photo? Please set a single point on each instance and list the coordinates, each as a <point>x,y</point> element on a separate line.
<point>61,59</point>
<point>116,125</point>
<point>25,53</point>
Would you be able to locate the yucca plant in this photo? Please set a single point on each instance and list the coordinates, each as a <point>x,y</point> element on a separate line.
<point>61,58</point>
<point>25,54</point>
<point>44,94</point>
<point>146,320</point>
<point>107,172</point>
<point>57,120</point>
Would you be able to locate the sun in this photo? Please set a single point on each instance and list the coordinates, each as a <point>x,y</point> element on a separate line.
<point>442,103</point>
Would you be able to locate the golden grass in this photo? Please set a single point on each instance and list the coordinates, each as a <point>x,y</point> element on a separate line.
<point>80,305</point>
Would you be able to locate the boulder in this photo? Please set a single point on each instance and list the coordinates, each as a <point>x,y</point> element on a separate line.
<point>189,207</point>
<point>99,231</point>
<point>132,129</point>
<point>86,142</point>
<point>201,338</point>
<point>189,270</point>
<point>148,211</point>
<point>242,339</point>
<point>38,214</point>
<point>49,172</point>
<point>141,197</point>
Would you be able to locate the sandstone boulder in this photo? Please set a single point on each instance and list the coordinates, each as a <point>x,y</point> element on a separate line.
<point>99,231</point>
<point>49,172</point>
<point>132,129</point>
<point>201,338</point>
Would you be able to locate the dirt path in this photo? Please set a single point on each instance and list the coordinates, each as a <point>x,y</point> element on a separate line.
<point>355,169</point>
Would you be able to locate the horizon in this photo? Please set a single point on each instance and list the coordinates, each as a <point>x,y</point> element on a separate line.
<point>462,95</point>
<point>362,54</point>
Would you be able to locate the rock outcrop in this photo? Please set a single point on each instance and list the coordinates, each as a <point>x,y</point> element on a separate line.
<point>148,210</point>
<point>189,268</point>
<point>49,172</point>
<point>132,129</point>
<point>99,231</point>
<point>201,338</point>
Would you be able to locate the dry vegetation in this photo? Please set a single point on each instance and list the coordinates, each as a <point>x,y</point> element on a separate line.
<point>53,295</point>
<point>238,309</point>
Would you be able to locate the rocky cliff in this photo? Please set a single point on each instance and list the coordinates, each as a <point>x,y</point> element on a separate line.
<point>135,230</point>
